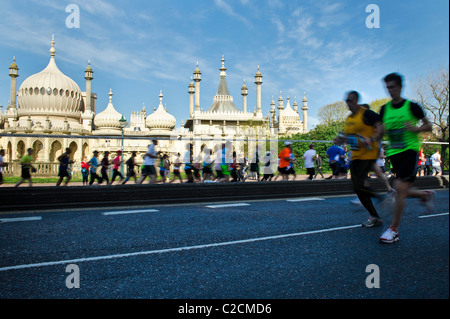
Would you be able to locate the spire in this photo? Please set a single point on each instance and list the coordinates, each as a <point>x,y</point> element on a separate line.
<point>52,49</point>
<point>223,68</point>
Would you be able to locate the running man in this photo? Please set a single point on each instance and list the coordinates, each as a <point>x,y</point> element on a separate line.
<point>361,133</point>
<point>400,119</point>
<point>25,162</point>
<point>285,160</point>
<point>93,163</point>
<point>309,158</point>
<point>149,164</point>
<point>64,161</point>
<point>130,168</point>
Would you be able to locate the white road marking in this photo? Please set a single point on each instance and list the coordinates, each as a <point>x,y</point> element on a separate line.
<point>136,211</point>
<point>304,199</point>
<point>228,205</point>
<point>19,219</point>
<point>169,250</point>
<point>434,215</point>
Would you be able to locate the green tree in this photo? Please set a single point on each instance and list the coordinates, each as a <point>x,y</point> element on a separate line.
<point>334,112</point>
<point>376,104</point>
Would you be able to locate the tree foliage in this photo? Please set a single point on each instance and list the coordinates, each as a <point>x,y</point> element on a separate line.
<point>334,112</point>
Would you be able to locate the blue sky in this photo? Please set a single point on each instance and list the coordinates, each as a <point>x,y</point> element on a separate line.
<point>138,48</point>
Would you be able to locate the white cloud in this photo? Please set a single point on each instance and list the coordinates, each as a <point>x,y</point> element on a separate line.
<point>229,10</point>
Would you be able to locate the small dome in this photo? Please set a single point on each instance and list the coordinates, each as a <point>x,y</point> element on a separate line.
<point>109,118</point>
<point>197,70</point>
<point>160,119</point>
<point>13,65</point>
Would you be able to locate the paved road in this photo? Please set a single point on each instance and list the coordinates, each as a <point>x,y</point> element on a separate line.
<point>311,248</point>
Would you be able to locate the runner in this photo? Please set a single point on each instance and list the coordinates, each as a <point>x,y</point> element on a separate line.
<point>131,163</point>
<point>176,169</point>
<point>400,119</point>
<point>207,166</point>
<point>25,161</point>
<point>104,167</point>
<point>361,133</point>
<point>309,157</point>
<point>93,163</point>
<point>285,160</point>
<point>64,161</point>
<point>188,159</point>
<point>2,164</point>
<point>318,161</point>
<point>149,164</point>
<point>335,155</point>
<point>117,161</point>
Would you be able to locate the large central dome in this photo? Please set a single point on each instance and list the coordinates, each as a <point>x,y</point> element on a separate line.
<point>50,92</point>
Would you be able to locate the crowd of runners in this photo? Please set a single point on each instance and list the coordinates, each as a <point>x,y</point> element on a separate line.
<point>358,150</point>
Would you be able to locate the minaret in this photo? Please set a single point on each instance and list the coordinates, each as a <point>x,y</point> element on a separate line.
<point>244,93</point>
<point>295,105</point>
<point>197,79</point>
<point>272,112</point>
<point>280,108</point>
<point>258,82</point>
<point>13,73</point>
<point>191,92</point>
<point>305,115</point>
<point>88,76</point>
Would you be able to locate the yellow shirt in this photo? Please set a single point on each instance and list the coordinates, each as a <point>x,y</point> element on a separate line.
<point>356,129</point>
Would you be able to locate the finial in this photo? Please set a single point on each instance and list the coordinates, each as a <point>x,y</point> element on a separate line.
<point>14,58</point>
<point>110,95</point>
<point>52,49</point>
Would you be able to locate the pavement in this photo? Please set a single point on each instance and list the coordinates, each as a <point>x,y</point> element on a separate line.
<point>212,253</point>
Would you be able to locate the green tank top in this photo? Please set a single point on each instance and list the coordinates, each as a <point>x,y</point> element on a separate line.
<point>394,121</point>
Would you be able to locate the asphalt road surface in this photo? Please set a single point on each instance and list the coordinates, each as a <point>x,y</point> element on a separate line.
<point>269,249</point>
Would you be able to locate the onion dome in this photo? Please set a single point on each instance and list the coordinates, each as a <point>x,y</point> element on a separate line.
<point>197,70</point>
<point>244,86</point>
<point>160,119</point>
<point>50,92</point>
<point>109,118</point>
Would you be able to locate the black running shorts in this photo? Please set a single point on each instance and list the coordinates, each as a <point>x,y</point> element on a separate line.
<point>404,165</point>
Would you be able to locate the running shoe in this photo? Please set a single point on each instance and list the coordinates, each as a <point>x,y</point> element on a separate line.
<point>373,222</point>
<point>390,236</point>
<point>429,201</point>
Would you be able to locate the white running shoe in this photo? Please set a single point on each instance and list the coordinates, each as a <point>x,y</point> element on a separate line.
<point>390,236</point>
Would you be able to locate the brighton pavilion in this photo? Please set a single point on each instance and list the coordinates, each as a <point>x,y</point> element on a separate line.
<point>49,113</point>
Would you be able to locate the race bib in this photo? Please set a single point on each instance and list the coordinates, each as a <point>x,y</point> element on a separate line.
<point>353,142</point>
<point>397,138</point>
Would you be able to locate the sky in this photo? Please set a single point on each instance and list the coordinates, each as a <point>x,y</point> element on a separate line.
<point>139,48</point>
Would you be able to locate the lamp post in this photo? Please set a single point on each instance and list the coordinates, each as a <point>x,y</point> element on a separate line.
<point>123,123</point>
